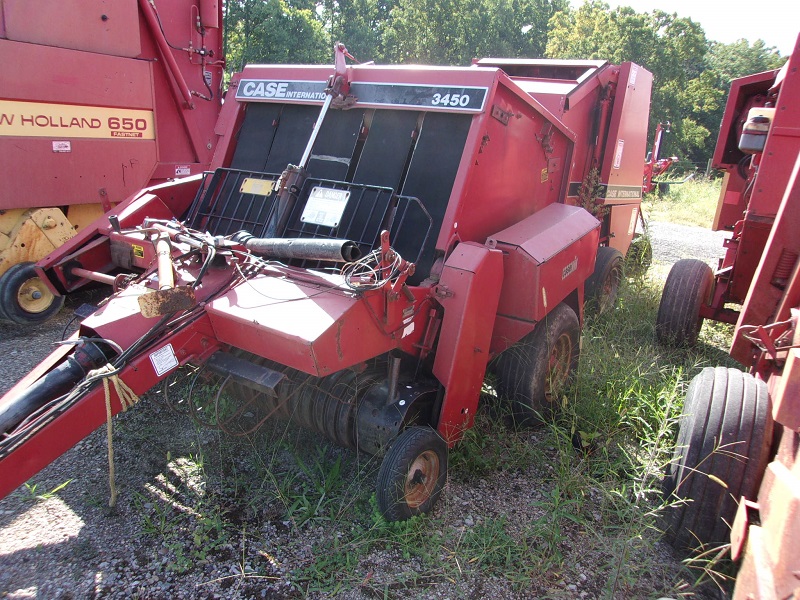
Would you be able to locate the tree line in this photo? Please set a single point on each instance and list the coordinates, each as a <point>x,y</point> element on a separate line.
<point>691,73</point>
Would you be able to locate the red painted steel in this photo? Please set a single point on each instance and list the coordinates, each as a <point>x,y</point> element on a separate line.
<point>752,192</point>
<point>468,292</point>
<point>654,166</point>
<point>71,68</point>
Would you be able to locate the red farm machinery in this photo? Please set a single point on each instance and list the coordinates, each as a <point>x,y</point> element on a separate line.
<point>655,166</point>
<point>367,240</point>
<point>97,100</point>
<point>736,471</point>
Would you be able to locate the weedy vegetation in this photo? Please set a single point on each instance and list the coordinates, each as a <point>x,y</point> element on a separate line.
<point>691,203</point>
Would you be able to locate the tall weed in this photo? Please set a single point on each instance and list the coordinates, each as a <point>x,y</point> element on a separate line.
<point>690,203</point>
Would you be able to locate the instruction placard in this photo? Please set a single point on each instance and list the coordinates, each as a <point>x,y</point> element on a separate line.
<point>164,360</point>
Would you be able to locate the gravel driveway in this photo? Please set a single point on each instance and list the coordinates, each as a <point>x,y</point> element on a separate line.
<point>672,242</point>
<point>69,545</point>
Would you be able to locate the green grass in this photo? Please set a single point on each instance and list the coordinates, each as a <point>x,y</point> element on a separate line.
<point>248,501</point>
<point>690,203</point>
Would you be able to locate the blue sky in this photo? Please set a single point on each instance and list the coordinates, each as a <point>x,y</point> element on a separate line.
<point>776,22</point>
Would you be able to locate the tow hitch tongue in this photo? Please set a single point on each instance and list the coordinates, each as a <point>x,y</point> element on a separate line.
<point>62,379</point>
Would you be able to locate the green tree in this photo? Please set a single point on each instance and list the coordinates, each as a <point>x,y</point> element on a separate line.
<point>738,59</point>
<point>673,48</point>
<point>359,24</point>
<point>274,31</point>
<point>455,31</point>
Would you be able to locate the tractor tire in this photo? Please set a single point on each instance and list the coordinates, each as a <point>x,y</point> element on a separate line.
<point>25,297</point>
<point>3,315</point>
<point>639,257</point>
<point>663,189</point>
<point>602,286</point>
<point>412,474</point>
<point>533,374</point>
<point>689,285</point>
<point>724,440</point>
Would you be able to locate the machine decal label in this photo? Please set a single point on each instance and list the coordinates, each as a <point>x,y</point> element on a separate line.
<point>449,98</point>
<point>623,192</point>
<point>65,146</point>
<point>266,89</point>
<point>325,206</point>
<point>618,153</point>
<point>632,76</point>
<point>632,226</point>
<point>569,269</point>
<point>164,360</point>
<point>257,187</point>
<point>183,170</point>
<point>38,119</point>
<point>138,251</point>
<point>610,192</point>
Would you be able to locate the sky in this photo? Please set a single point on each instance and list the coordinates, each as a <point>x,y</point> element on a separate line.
<point>776,22</point>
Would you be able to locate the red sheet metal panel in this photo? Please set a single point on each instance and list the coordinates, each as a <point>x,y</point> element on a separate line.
<point>546,256</point>
<point>515,163</point>
<point>54,126</point>
<point>745,92</point>
<point>314,328</point>
<point>626,145</point>
<point>771,297</point>
<point>89,25</point>
<point>470,285</point>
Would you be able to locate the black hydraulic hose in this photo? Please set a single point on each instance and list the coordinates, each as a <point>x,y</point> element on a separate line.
<point>52,385</point>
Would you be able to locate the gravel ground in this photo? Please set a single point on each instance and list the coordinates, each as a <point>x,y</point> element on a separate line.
<point>69,545</point>
<point>672,242</point>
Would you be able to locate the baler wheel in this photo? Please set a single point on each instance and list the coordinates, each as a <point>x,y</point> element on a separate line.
<point>689,285</point>
<point>534,373</point>
<point>412,474</point>
<point>723,446</point>
<point>25,297</point>
<point>602,286</point>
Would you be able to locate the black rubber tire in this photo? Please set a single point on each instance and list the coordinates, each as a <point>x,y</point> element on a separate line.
<point>3,314</point>
<point>663,189</point>
<point>602,286</point>
<point>22,307</point>
<point>525,371</point>
<point>725,434</point>
<point>689,286</point>
<point>639,256</point>
<point>412,475</point>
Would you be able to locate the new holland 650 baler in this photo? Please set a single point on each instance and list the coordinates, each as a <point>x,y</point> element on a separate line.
<point>447,196</point>
<point>97,100</point>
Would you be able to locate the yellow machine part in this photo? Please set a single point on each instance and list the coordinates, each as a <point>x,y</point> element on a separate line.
<point>27,235</point>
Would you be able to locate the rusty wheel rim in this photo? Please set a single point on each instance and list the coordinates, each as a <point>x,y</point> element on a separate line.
<point>33,296</point>
<point>558,366</point>
<point>608,295</point>
<point>421,479</point>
